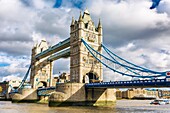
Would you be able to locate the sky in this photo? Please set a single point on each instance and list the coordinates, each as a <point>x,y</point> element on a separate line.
<point>130,29</point>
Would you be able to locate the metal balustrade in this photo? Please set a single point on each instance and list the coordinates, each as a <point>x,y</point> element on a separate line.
<point>61,54</point>
<point>130,84</point>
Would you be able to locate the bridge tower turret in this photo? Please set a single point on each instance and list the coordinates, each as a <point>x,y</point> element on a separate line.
<point>100,31</point>
<point>83,66</point>
<point>41,69</point>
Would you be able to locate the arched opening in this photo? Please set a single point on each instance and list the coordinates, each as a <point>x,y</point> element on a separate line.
<point>93,77</point>
<point>42,84</point>
<point>15,87</point>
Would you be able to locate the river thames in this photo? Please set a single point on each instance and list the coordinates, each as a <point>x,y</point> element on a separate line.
<point>122,106</point>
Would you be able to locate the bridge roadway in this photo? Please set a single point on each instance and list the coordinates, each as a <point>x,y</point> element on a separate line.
<point>60,46</point>
<point>131,84</point>
<point>115,84</point>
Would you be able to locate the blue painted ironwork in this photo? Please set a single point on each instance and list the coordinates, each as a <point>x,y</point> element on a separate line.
<point>25,77</point>
<point>147,70</point>
<point>64,53</point>
<point>53,49</point>
<point>22,82</point>
<point>152,74</point>
<point>130,84</point>
<point>121,63</point>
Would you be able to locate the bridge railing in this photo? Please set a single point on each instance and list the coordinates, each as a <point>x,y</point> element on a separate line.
<point>143,83</point>
<point>64,53</point>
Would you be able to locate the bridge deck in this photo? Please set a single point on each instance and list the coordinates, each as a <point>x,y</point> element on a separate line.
<point>131,84</point>
<point>60,46</point>
<point>62,54</point>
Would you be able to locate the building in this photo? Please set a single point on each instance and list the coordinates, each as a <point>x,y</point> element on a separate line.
<point>41,69</point>
<point>139,93</point>
<point>7,86</point>
<point>3,90</point>
<point>84,67</point>
<point>164,94</point>
<point>118,94</point>
<point>63,78</point>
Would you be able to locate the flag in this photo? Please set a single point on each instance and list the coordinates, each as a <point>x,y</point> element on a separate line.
<point>155,3</point>
<point>57,3</point>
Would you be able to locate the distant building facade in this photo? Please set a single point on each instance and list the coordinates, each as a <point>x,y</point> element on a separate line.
<point>3,89</point>
<point>7,86</point>
<point>164,94</point>
<point>137,93</point>
<point>118,94</point>
<point>63,78</point>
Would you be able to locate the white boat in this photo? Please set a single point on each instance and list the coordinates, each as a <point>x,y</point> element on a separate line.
<point>160,101</point>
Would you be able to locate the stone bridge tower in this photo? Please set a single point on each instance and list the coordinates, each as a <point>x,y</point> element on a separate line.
<point>84,67</point>
<point>41,70</point>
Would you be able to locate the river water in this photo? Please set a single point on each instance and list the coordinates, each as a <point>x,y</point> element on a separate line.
<point>122,106</point>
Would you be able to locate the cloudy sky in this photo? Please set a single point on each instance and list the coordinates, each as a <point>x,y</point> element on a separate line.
<point>131,30</point>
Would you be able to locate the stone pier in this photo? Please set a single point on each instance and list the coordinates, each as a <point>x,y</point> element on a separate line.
<point>75,94</point>
<point>25,95</point>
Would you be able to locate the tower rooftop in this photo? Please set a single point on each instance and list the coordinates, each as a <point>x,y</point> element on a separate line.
<point>86,16</point>
<point>87,12</point>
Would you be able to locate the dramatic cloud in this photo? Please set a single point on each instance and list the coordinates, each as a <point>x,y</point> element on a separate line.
<point>130,29</point>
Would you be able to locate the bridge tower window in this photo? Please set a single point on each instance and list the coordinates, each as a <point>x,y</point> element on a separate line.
<point>41,49</point>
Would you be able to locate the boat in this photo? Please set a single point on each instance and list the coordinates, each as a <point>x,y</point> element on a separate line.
<point>160,101</point>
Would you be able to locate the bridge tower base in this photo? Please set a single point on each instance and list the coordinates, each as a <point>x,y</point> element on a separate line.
<point>75,94</point>
<point>101,97</point>
<point>25,95</point>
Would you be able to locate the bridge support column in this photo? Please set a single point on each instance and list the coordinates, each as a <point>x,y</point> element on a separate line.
<point>51,74</point>
<point>101,96</point>
<point>70,94</point>
<point>25,95</point>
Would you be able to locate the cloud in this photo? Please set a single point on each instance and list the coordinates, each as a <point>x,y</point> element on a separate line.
<point>17,66</point>
<point>164,7</point>
<point>128,20</point>
<point>130,29</point>
<point>135,32</point>
<point>11,77</point>
<point>65,67</point>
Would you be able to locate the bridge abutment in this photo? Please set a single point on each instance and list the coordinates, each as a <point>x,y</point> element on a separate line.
<point>25,95</point>
<point>101,96</point>
<point>70,94</point>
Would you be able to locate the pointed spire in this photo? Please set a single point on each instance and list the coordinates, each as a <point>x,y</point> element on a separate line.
<point>72,22</point>
<point>86,11</point>
<point>43,39</point>
<point>99,24</point>
<point>80,17</point>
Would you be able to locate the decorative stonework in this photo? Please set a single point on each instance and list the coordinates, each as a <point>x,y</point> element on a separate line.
<point>41,70</point>
<point>82,63</point>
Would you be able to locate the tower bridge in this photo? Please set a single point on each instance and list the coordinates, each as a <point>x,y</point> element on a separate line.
<point>81,61</point>
<point>84,47</point>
